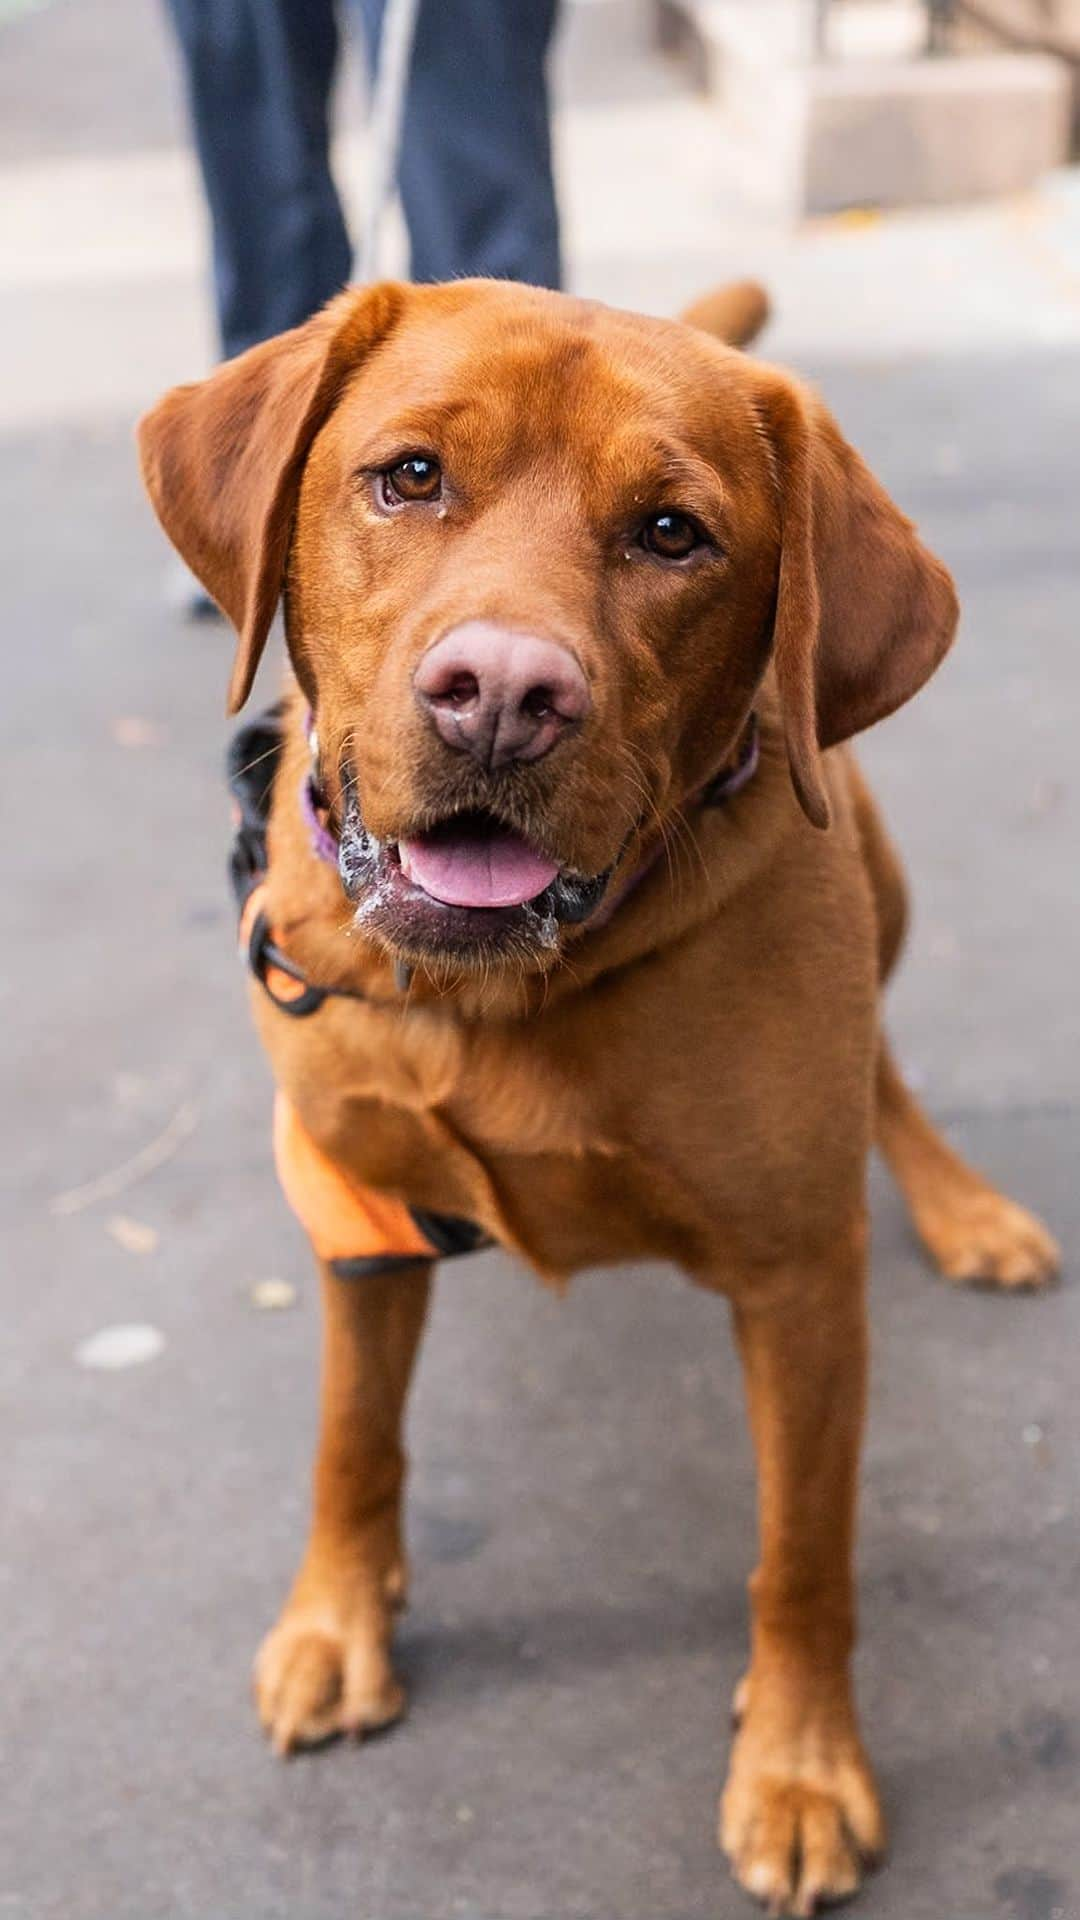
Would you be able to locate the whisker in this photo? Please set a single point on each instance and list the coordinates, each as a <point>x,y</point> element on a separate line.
<point>250,765</point>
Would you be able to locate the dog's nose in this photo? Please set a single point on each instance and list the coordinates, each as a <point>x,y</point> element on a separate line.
<point>500,694</point>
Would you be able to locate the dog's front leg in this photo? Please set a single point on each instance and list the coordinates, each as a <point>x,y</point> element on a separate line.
<point>325,1668</point>
<point>800,1813</point>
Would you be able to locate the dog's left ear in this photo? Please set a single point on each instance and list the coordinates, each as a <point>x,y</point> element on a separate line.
<point>864,613</point>
<point>222,459</point>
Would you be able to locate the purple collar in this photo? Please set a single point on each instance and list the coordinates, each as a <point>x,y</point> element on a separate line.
<point>731,780</point>
<point>323,843</point>
<point>715,793</point>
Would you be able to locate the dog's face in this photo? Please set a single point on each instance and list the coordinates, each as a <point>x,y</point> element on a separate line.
<point>530,596</point>
<point>538,555</point>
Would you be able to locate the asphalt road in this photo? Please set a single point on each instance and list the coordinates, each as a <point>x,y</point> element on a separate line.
<point>582,1494</point>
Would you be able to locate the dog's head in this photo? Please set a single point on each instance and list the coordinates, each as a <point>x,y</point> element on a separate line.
<point>536,557</point>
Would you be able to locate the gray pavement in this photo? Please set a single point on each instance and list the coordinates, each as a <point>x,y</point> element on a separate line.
<point>582,1499</point>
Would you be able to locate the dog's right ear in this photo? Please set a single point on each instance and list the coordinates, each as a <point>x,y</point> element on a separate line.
<point>864,612</point>
<point>222,459</point>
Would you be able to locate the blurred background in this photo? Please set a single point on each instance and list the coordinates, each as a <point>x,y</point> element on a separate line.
<point>901,177</point>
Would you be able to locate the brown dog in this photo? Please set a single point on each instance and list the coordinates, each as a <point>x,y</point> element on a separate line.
<point>566,589</point>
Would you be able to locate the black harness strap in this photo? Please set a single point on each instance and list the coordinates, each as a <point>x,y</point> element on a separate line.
<point>252,761</point>
<point>264,953</point>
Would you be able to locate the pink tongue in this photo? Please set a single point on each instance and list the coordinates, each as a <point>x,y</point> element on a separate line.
<point>466,869</point>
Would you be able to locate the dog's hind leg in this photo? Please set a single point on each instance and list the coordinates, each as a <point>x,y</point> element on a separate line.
<point>325,1668</point>
<point>970,1230</point>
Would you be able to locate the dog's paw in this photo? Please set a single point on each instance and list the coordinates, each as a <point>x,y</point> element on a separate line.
<point>980,1238</point>
<point>316,1679</point>
<point>800,1827</point>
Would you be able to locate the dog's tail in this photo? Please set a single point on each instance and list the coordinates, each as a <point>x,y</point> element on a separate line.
<point>734,313</point>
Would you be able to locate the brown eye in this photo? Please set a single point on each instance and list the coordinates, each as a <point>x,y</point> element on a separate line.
<point>671,536</point>
<point>417,478</point>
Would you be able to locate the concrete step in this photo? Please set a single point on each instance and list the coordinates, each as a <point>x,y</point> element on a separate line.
<point>861,127</point>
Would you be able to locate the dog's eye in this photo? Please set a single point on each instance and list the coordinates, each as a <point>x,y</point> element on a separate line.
<point>670,535</point>
<point>417,478</point>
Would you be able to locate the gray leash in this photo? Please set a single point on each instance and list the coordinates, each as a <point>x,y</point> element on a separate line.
<point>387,109</point>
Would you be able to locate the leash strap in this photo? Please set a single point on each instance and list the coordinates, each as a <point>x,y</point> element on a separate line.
<point>391,80</point>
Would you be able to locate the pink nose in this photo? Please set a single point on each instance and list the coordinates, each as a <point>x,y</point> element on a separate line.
<point>499,694</point>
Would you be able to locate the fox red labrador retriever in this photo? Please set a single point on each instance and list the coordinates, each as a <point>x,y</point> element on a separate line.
<point>575,914</point>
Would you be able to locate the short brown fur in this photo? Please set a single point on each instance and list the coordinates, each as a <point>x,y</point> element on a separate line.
<point>697,1080</point>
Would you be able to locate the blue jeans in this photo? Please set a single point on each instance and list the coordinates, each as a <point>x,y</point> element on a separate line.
<point>475,167</point>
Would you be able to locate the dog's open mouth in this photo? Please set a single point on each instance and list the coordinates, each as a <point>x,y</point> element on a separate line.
<point>471,883</point>
<point>472,861</point>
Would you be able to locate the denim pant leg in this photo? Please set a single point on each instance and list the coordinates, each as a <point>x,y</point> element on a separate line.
<point>259,74</point>
<point>475,168</point>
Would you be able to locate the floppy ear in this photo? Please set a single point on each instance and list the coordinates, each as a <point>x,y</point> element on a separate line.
<point>222,459</point>
<point>864,613</point>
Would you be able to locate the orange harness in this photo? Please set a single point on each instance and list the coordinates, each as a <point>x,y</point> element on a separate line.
<point>355,1229</point>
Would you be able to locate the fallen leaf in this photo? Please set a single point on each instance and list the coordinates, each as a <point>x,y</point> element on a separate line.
<point>132,730</point>
<point>273,1296</point>
<point>133,1235</point>
<point>855,217</point>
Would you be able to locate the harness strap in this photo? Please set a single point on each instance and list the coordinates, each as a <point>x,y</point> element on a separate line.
<point>279,976</point>
<point>355,1229</point>
<point>253,759</point>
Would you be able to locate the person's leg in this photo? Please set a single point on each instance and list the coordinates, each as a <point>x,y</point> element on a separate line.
<point>259,75</point>
<point>475,167</point>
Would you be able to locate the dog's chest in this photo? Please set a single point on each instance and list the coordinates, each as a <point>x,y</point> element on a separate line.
<point>507,1127</point>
